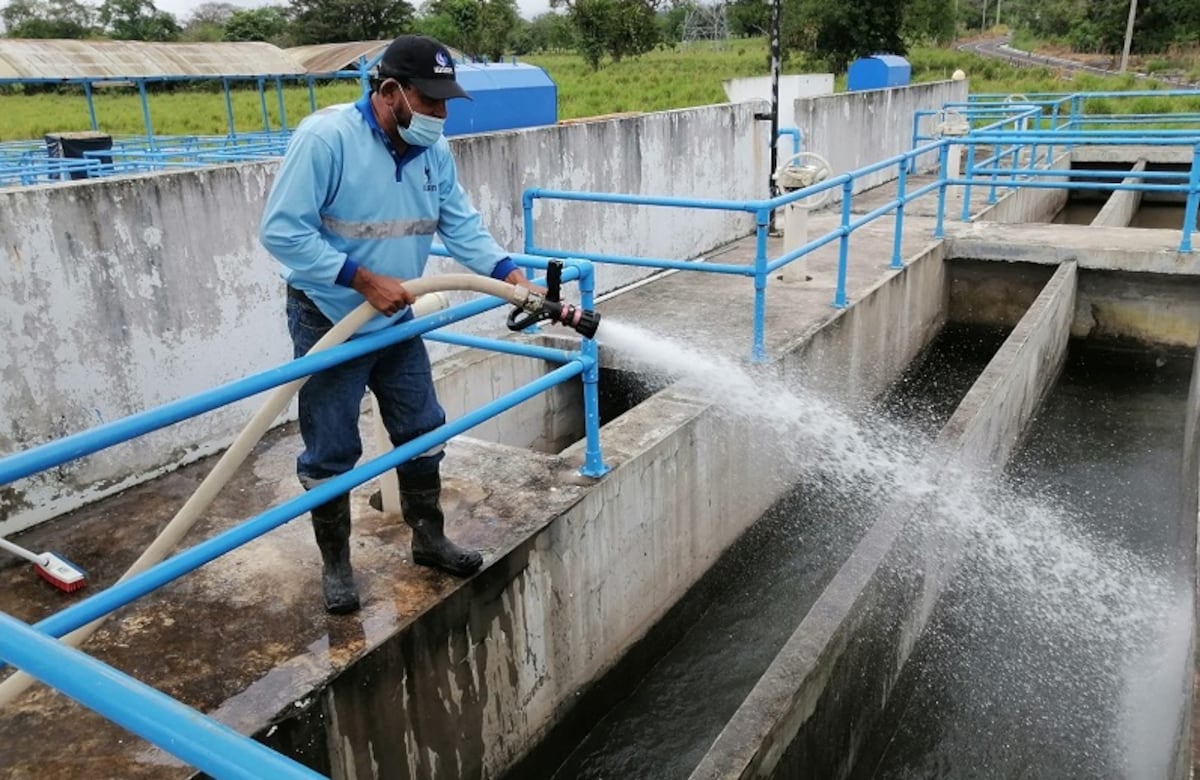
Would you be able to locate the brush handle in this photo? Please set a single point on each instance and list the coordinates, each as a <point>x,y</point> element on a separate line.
<point>22,552</point>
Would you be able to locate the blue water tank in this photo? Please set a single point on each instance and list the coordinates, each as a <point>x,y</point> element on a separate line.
<point>879,71</point>
<point>507,95</point>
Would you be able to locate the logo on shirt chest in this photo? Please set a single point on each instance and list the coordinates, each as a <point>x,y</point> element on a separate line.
<point>429,184</point>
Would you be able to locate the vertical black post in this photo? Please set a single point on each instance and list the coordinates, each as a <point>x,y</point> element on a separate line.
<point>776,13</point>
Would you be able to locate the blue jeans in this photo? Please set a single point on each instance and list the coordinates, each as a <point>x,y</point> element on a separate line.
<point>401,379</point>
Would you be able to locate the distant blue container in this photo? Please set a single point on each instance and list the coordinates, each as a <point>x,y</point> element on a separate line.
<point>507,95</point>
<point>879,71</point>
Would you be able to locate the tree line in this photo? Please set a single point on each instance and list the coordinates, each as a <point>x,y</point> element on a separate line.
<point>832,34</point>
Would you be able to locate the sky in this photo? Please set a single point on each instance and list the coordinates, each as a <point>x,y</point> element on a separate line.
<point>183,8</point>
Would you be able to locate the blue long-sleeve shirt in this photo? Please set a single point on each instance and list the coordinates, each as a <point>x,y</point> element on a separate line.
<point>344,197</point>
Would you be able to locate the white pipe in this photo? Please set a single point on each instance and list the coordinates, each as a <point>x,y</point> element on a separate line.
<point>233,457</point>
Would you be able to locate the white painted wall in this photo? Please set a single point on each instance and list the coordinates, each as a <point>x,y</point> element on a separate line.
<point>123,294</point>
<point>855,129</point>
<point>120,295</point>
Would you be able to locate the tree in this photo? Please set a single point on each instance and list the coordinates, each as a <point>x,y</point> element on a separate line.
<point>207,22</point>
<point>930,21</point>
<point>256,24</point>
<point>48,19</point>
<point>547,32</point>
<point>839,32</point>
<point>618,28</point>
<point>480,28</point>
<point>138,20</point>
<point>749,17</point>
<point>335,21</point>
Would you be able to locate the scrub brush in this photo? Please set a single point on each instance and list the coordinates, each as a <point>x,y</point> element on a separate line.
<point>57,571</point>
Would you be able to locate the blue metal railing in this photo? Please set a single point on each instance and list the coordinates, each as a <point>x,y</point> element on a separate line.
<point>1022,133</point>
<point>761,211</point>
<point>1030,130</point>
<point>201,742</point>
<point>198,740</point>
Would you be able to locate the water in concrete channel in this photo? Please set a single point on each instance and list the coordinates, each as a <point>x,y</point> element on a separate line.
<point>1079,211</point>
<point>658,712</point>
<point>1167,216</point>
<point>1061,649</point>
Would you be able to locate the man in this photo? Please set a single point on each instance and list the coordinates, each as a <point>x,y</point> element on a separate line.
<point>352,213</point>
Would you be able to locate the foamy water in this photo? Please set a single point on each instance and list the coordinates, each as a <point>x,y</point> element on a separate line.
<point>1068,598</point>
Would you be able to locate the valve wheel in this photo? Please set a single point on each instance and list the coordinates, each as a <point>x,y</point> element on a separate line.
<point>806,169</point>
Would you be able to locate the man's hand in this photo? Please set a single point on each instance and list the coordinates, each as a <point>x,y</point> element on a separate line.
<point>387,294</point>
<point>517,278</point>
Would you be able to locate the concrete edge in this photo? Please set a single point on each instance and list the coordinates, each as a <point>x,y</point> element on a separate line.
<point>1120,207</point>
<point>546,619</point>
<point>1188,749</point>
<point>826,690</point>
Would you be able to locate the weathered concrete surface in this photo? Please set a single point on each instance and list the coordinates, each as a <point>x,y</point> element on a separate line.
<point>130,292</point>
<point>575,573</point>
<point>1024,204</point>
<point>855,129</point>
<point>1137,309</point>
<point>1094,153</point>
<point>1189,749</point>
<point>822,698</point>
<point>1094,248</point>
<point>1122,204</point>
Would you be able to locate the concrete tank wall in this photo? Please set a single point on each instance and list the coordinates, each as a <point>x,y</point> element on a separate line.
<point>567,603</point>
<point>823,696</point>
<point>1025,204</point>
<point>1120,207</point>
<point>855,129</point>
<point>127,293</point>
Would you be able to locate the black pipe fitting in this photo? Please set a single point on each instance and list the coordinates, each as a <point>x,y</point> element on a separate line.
<point>582,321</point>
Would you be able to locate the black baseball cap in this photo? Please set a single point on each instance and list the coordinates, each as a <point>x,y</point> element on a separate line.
<point>423,62</point>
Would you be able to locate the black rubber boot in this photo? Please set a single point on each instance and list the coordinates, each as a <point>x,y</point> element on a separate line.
<point>419,497</point>
<point>331,525</point>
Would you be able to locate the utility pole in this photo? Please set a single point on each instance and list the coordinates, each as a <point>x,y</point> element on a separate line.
<point>1128,35</point>
<point>983,21</point>
<point>997,13</point>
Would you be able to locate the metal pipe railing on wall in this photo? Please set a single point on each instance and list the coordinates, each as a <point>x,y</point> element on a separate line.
<point>171,725</point>
<point>189,735</point>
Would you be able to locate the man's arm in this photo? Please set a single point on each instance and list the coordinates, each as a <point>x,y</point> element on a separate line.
<point>291,224</point>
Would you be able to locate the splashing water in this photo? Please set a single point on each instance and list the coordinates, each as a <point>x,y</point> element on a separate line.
<point>1029,574</point>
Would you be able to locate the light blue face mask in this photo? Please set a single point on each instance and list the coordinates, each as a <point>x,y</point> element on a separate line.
<point>422,130</point>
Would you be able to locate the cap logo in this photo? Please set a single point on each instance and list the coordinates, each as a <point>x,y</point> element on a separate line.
<point>443,63</point>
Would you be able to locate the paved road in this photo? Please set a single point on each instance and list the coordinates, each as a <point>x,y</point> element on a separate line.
<point>999,48</point>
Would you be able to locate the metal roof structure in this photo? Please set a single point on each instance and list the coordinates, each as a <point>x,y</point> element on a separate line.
<point>27,59</point>
<point>333,57</point>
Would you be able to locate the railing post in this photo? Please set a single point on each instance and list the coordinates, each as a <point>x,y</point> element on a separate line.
<point>839,296</point>
<point>1054,127</point>
<point>593,459</point>
<point>527,207</point>
<point>944,173</point>
<point>901,196</point>
<point>762,221</point>
<point>968,175</point>
<point>262,100</point>
<point>229,108</point>
<point>916,138</point>
<point>146,114</point>
<point>1193,203</point>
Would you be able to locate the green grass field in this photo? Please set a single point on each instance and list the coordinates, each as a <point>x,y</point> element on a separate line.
<point>656,81</point>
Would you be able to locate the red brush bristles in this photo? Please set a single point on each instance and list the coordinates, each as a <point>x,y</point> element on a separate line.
<point>60,573</point>
<point>67,587</point>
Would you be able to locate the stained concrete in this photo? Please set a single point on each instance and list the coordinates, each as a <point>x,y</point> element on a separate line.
<point>245,637</point>
<point>556,547</point>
